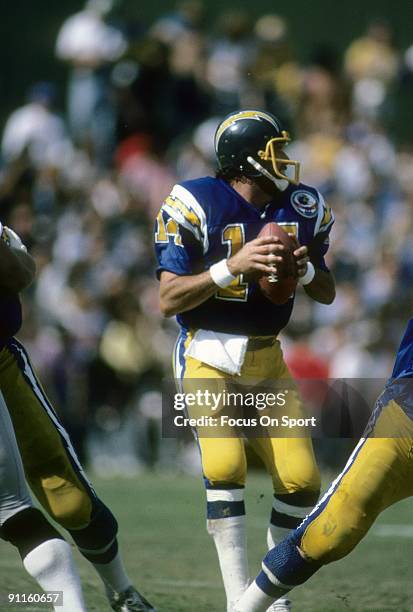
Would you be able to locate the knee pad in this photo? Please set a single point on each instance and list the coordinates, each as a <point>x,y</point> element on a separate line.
<point>228,473</point>
<point>28,529</point>
<point>285,566</point>
<point>74,511</point>
<point>301,477</point>
<point>67,502</point>
<point>97,541</point>
<point>326,540</point>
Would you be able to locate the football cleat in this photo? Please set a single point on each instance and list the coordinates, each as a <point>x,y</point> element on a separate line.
<point>130,600</point>
<point>281,605</point>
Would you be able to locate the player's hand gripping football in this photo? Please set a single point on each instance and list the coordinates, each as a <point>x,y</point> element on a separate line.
<point>257,257</point>
<point>300,255</point>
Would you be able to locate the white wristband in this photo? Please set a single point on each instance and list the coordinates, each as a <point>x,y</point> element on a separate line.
<point>308,276</point>
<point>221,275</point>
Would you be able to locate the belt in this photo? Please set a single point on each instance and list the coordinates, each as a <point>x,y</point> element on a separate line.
<point>255,344</point>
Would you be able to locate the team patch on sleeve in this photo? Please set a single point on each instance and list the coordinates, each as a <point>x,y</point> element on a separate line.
<point>305,203</point>
<point>185,210</point>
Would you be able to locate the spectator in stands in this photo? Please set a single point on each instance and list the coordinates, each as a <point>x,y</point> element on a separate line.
<point>89,45</point>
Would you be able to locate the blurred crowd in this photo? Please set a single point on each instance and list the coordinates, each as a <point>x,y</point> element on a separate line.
<point>82,184</point>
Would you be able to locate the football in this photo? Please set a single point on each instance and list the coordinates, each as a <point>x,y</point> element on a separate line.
<point>279,286</point>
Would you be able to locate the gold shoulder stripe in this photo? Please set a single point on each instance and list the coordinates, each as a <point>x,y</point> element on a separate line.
<point>187,213</point>
<point>328,218</point>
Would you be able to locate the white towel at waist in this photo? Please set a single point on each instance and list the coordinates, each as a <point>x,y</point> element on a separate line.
<point>226,352</point>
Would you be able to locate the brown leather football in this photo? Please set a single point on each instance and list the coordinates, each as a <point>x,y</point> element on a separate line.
<point>280,286</point>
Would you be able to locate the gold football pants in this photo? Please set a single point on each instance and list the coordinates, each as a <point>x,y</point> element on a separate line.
<point>50,463</point>
<point>290,461</point>
<point>378,473</point>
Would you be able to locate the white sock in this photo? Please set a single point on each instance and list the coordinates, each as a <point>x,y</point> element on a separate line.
<point>253,600</point>
<point>51,564</point>
<point>231,543</point>
<point>114,574</point>
<point>275,535</point>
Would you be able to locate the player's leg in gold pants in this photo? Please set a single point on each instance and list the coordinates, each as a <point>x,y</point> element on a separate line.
<point>289,461</point>
<point>378,474</point>
<point>51,466</point>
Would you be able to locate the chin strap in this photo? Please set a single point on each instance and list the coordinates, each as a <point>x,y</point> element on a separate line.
<point>281,184</point>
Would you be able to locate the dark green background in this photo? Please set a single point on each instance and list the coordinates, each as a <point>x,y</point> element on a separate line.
<point>29,28</point>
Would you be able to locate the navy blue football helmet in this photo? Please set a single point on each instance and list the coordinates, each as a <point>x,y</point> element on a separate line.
<point>251,142</point>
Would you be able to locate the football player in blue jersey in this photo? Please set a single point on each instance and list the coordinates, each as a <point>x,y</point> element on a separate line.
<point>50,463</point>
<point>378,474</point>
<point>209,261</point>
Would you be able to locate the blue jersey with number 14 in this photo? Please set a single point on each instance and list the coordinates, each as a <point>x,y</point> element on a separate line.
<point>205,220</point>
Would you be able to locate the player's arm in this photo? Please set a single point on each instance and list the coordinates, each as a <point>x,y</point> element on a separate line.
<point>179,293</point>
<point>316,278</point>
<point>322,288</point>
<point>318,283</point>
<point>17,267</point>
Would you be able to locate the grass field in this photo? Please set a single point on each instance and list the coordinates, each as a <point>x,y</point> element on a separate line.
<point>172,559</point>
